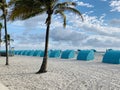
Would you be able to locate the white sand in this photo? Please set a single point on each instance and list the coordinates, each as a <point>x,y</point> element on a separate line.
<point>62,74</point>
<point>2,87</point>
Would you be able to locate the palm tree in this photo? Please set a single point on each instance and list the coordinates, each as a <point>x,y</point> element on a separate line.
<point>9,40</point>
<point>3,7</point>
<point>0,33</point>
<point>24,9</point>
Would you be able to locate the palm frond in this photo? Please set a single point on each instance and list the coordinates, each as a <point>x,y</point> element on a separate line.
<point>25,10</point>
<point>1,25</point>
<point>3,5</point>
<point>11,2</point>
<point>72,10</point>
<point>2,17</point>
<point>62,15</point>
<point>27,16</point>
<point>22,13</point>
<point>64,4</point>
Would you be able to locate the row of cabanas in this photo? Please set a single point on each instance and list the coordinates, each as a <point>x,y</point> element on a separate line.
<point>40,53</point>
<point>66,54</point>
<point>110,56</point>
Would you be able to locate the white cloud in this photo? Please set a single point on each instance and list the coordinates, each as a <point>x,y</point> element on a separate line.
<point>18,23</point>
<point>115,22</point>
<point>37,22</point>
<point>83,4</point>
<point>104,0</point>
<point>115,5</point>
<point>92,33</point>
<point>70,36</point>
<point>92,26</point>
<point>29,46</point>
<point>29,41</point>
<point>98,41</point>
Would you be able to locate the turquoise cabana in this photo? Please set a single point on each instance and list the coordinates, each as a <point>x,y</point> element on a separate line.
<point>55,53</point>
<point>67,54</point>
<point>20,52</point>
<point>23,52</point>
<point>35,53</point>
<point>41,53</point>
<point>26,52</point>
<point>29,52</point>
<point>112,57</point>
<point>16,52</point>
<point>85,55</point>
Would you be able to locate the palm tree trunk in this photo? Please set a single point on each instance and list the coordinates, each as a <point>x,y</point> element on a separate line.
<point>0,42</point>
<point>6,40</point>
<point>44,63</point>
<point>0,39</point>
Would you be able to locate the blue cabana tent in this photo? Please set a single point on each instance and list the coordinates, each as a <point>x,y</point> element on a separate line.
<point>112,57</point>
<point>35,53</point>
<point>85,55</point>
<point>67,54</point>
<point>55,53</point>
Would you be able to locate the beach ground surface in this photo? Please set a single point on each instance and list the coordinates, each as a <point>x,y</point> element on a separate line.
<point>63,74</point>
<point>2,87</point>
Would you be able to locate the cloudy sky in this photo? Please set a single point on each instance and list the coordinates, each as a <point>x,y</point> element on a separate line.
<point>100,29</point>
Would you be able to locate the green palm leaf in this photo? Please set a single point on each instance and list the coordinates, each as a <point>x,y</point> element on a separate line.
<point>62,15</point>
<point>72,10</point>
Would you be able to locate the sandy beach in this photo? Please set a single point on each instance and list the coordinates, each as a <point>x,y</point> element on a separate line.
<point>63,74</point>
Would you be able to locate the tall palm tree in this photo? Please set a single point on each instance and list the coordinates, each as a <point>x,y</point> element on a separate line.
<point>9,41</point>
<point>0,33</point>
<point>24,9</point>
<point>3,7</point>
